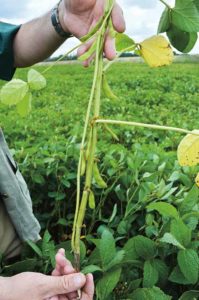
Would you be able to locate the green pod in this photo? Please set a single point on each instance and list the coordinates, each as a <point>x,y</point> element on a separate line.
<point>91,200</point>
<point>93,31</point>
<point>111,132</point>
<point>107,90</point>
<point>83,165</point>
<point>98,178</point>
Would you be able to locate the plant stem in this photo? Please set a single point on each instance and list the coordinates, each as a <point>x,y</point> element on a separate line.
<point>153,126</point>
<point>95,95</point>
<point>166,4</point>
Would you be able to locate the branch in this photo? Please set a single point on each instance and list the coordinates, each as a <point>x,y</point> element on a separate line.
<point>152,126</point>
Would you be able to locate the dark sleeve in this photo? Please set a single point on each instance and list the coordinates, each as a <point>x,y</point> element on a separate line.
<point>7,34</point>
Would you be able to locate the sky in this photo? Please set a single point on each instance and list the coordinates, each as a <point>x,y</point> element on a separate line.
<point>142,16</point>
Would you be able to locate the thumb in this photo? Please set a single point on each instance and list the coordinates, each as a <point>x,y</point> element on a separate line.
<point>63,284</point>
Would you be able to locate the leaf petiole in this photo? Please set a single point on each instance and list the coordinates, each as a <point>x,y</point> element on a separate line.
<point>152,126</point>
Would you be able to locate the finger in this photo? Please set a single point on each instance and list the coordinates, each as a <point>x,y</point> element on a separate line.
<point>62,297</point>
<point>61,251</point>
<point>54,298</point>
<point>84,48</point>
<point>56,273</point>
<point>118,19</point>
<point>62,285</point>
<point>109,47</point>
<point>88,290</point>
<point>63,266</point>
<point>72,296</point>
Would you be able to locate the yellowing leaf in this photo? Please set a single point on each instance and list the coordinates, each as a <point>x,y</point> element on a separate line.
<point>36,80</point>
<point>13,92</point>
<point>197,180</point>
<point>24,106</point>
<point>188,150</point>
<point>156,51</point>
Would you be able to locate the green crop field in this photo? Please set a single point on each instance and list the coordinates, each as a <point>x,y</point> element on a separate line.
<point>157,247</point>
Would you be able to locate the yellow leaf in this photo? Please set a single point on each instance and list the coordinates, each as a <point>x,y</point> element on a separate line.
<point>156,51</point>
<point>197,180</point>
<point>188,150</point>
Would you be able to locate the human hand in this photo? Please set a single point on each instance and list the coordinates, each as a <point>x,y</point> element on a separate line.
<point>36,286</point>
<point>78,17</point>
<point>64,267</point>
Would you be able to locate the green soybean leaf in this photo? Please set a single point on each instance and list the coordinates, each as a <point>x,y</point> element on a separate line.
<point>150,277</point>
<point>190,200</point>
<point>170,239</point>
<point>162,269</point>
<point>144,247</point>
<point>149,294</point>
<point>185,16</point>
<point>91,269</point>
<point>165,21</point>
<point>196,2</point>
<point>117,259</point>
<point>91,200</point>
<point>24,106</point>
<point>89,53</point>
<point>190,295</point>
<point>107,283</point>
<point>36,249</point>
<point>177,277</point>
<point>182,40</point>
<point>123,41</point>
<point>36,80</point>
<point>181,232</point>
<point>107,247</point>
<point>188,262</point>
<point>130,251</point>
<point>165,209</point>
<point>13,92</point>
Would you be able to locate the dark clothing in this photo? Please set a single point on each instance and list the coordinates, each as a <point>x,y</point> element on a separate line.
<point>7,34</point>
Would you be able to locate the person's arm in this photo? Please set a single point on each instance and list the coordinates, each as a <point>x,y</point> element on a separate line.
<point>37,39</point>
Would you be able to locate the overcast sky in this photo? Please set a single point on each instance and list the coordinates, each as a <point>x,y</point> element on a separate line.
<point>142,16</point>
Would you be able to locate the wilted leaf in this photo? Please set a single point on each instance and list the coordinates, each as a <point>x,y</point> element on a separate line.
<point>156,51</point>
